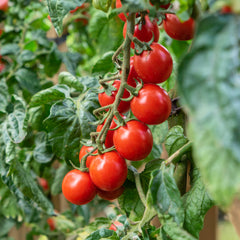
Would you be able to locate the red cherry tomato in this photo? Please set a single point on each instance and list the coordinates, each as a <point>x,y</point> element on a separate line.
<point>84,5</point>
<point>108,171</point>
<point>110,195</point>
<point>133,141</point>
<point>226,9</point>
<point>51,224</point>
<point>178,30</point>
<point>120,15</point>
<point>109,137</point>
<point>2,65</point>
<point>152,105</point>
<point>144,31</point>
<point>78,188</point>
<point>4,5</point>
<point>1,31</point>
<point>115,225</point>
<point>154,66</point>
<point>84,150</point>
<point>43,183</point>
<point>84,21</point>
<point>105,100</point>
<point>165,6</point>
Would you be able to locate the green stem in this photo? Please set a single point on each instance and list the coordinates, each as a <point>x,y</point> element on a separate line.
<point>139,188</point>
<point>179,152</point>
<point>109,79</point>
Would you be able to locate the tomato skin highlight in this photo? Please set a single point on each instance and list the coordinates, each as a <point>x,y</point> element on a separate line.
<point>133,141</point>
<point>84,150</point>
<point>105,100</point>
<point>154,66</point>
<point>179,30</point>
<point>78,188</point>
<point>145,32</point>
<point>108,171</point>
<point>152,105</point>
<point>4,5</point>
<point>110,195</point>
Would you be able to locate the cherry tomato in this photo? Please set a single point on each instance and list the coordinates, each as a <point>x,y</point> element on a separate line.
<point>115,225</point>
<point>165,6</point>
<point>2,65</point>
<point>1,31</point>
<point>152,105</point>
<point>108,171</point>
<point>49,18</point>
<point>109,137</point>
<point>178,30</point>
<point>83,20</point>
<point>110,195</point>
<point>133,141</point>
<point>78,188</point>
<point>105,100</point>
<point>120,15</point>
<point>51,224</point>
<point>43,183</point>
<point>4,5</point>
<point>144,31</point>
<point>226,9</point>
<point>82,153</point>
<point>84,5</point>
<point>154,66</point>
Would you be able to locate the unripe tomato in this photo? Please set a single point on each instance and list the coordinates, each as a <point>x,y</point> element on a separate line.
<point>51,224</point>
<point>120,15</point>
<point>84,150</point>
<point>154,66</point>
<point>110,195</point>
<point>43,183</point>
<point>133,141</point>
<point>144,31</point>
<point>152,105</point>
<point>108,171</point>
<point>4,5</point>
<point>78,188</point>
<point>105,100</point>
<point>115,225</point>
<point>178,30</point>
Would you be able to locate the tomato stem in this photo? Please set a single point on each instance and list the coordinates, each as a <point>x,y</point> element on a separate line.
<point>139,188</point>
<point>109,79</point>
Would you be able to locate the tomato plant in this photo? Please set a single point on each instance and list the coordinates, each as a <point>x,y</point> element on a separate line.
<point>84,150</point>
<point>110,195</point>
<point>4,5</point>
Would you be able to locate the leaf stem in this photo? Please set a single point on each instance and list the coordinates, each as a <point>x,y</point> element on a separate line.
<point>179,152</point>
<point>139,188</point>
<point>109,79</point>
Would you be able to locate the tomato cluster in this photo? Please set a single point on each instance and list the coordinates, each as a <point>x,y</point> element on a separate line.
<point>131,140</point>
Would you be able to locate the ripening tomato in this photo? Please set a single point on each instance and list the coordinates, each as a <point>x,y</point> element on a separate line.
<point>83,20</point>
<point>110,195</point>
<point>4,5</point>
<point>178,30</point>
<point>51,224</point>
<point>154,66</point>
<point>105,100</point>
<point>226,10</point>
<point>108,171</point>
<point>144,31</point>
<point>152,105</point>
<point>133,141</point>
<point>78,188</point>
<point>84,150</point>
<point>115,225</point>
<point>120,15</point>
<point>43,183</point>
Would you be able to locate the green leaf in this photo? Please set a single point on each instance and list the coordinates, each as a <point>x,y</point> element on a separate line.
<point>6,225</point>
<point>70,80</point>
<point>4,96</point>
<point>175,139</point>
<point>134,5</point>
<point>71,61</point>
<point>174,231</point>
<point>50,95</point>
<point>9,49</point>
<point>26,56</point>
<point>64,131</point>
<point>165,196</point>
<point>212,101</point>
<point>58,9</point>
<point>197,203</point>
<point>102,29</point>
<point>16,123</point>
<point>42,152</point>
<point>101,233</point>
<point>103,5</point>
<point>104,64</point>
<point>28,80</point>
<point>56,187</point>
<point>159,132</point>
<point>185,10</point>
